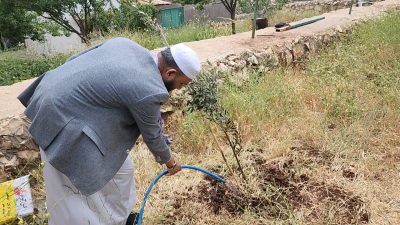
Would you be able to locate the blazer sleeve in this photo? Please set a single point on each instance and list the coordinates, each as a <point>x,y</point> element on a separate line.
<point>145,113</point>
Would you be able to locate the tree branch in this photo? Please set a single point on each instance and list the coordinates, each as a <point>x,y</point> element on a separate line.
<point>234,3</point>
<point>65,25</point>
<point>86,9</point>
<point>226,4</point>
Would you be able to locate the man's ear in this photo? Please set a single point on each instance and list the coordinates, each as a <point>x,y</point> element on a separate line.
<point>170,74</point>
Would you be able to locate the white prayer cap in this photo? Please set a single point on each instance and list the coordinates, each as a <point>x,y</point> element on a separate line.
<point>186,59</point>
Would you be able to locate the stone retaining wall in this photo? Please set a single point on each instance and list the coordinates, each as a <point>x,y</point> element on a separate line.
<point>17,147</point>
<point>320,5</point>
<point>283,55</point>
<point>323,5</point>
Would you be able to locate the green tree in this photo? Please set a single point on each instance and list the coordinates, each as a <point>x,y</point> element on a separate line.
<point>91,15</point>
<point>17,23</point>
<point>83,12</point>
<point>129,15</point>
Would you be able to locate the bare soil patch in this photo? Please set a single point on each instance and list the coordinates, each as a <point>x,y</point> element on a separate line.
<point>282,193</point>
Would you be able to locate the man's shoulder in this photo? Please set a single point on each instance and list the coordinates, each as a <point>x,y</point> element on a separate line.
<point>125,43</point>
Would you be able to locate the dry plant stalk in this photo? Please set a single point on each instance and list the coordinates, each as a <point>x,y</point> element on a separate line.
<point>219,148</point>
<point>162,35</point>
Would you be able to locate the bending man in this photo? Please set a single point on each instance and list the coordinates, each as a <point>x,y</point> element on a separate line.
<point>86,116</point>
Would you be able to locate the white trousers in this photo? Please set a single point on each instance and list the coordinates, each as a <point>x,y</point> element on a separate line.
<point>67,206</point>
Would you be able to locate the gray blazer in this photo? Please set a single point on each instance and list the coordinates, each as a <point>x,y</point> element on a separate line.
<point>87,114</point>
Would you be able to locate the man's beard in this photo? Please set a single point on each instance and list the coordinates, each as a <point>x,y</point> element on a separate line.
<point>169,85</point>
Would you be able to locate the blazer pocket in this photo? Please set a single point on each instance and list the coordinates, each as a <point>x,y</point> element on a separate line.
<point>95,138</point>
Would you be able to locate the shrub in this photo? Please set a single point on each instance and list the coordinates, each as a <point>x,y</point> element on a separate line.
<point>17,68</point>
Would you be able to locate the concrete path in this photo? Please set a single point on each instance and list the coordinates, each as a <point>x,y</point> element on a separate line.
<point>218,48</point>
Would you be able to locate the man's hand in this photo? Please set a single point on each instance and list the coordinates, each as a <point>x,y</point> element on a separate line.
<point>173,166</point>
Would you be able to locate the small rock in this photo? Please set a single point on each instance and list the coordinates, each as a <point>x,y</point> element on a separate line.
<point>298,50</point>
<point>242,63</point>
<point>222,67</point>
<point>9,164</point>
<point>260,55</point>
<point>232,58</point>
<point>289,46</point>
<point>6,145</point>
<point>253,60</point>
<point>30,155</point>
<point>339,29</point>
<point>232,63</point>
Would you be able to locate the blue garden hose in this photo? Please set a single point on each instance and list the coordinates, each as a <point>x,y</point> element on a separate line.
<point>162,174</point>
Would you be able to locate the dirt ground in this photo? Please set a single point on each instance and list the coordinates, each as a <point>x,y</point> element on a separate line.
<point>217,48</point>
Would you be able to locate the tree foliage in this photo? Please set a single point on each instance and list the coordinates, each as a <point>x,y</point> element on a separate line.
<point>83,12</point>
<point>17,23</point>
<point>204,97</point>
<point>90,15</point>
<point>129,15</point>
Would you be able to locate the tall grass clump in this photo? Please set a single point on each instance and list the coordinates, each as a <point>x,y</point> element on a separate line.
<point>200,30</point>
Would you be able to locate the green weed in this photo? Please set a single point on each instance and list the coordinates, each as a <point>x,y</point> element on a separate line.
<point>16,67</point>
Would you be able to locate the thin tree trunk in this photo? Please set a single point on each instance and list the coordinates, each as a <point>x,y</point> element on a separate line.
<point>233,15</point>
<point>219,148</point>
<point>87,8</point>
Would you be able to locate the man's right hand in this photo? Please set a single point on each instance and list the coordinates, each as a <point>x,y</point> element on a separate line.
<point>173,166</point>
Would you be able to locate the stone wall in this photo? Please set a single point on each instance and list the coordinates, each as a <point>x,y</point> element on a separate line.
<point>320,5</point>
<point>283,55</point>
<point>323,5</point>
<point>17,147</point>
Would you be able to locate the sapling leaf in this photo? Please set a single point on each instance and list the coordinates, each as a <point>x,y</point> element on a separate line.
<point>205,98</point>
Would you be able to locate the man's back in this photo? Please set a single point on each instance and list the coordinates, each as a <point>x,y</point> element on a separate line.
<point>88,112</point>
